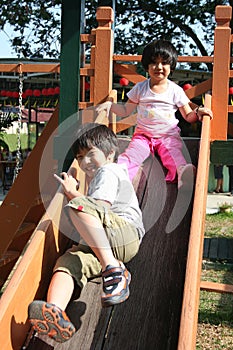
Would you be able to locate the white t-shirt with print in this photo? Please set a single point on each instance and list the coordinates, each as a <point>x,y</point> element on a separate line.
<point>156,112</point>
<point>111,183</point>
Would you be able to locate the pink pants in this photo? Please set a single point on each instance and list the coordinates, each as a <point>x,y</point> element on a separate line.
<point>169,149</point>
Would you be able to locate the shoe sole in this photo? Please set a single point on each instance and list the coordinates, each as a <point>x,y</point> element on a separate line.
<point>45,319</point>
<point>120,298</point>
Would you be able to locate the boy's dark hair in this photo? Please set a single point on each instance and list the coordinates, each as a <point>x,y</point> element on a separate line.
<point>159,49</point>
<point>96,135</point>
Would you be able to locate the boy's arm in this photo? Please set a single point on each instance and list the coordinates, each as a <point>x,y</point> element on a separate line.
<point>70,185</point>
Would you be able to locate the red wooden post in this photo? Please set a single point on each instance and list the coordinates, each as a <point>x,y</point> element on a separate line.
<point>103,54</point>
<point>221,73</point>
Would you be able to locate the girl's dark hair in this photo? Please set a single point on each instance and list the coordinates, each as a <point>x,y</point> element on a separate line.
<point>96,135</point>
<point>159,49</point>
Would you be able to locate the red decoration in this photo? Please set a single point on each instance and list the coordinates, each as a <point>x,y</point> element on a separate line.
<point>9,93</point>
<point>3,93</point>
<point>231,90</point>
<point>124,82</point>
<point>36,92</point>
<point>44,92</point>
<point>15,94</point>
<point>28,92</point>
<point>57,90</point>
<point>87,86</point>
<point>24,95</point>
<point>187,86</point>
<point>51,91</point>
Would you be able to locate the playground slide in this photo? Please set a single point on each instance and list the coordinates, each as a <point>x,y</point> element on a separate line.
<point>150,319</point>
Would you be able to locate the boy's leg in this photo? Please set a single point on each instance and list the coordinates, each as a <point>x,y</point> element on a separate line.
<point>49,318</point>
<point>57,294</point>
<point>116,277</point>
<point>92,232</point>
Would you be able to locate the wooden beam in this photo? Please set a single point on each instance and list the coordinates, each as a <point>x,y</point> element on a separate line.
<point>189,314</point>
<point>30,67</point>
<point>217,287</point>
<point>221,73</point>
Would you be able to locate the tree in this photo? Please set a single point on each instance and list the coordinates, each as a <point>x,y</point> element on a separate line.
<point>189,26</point>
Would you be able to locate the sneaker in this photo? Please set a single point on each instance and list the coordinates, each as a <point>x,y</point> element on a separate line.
<point>48,319</point>
<point>116,282</point>
<point>186,174</point>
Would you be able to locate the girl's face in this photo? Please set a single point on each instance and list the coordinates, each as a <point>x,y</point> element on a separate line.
<point>90,160</point>
<point>159,70</point>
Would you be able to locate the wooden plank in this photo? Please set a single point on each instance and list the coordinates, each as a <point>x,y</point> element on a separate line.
<point>131,75</point>
<point>213,251</point>
<point>88,72</point>
<point>230,250</point>
<point>189,314</point>
<point>206,248</point>
<point>222,248</point>
<point>216,287</point>
<point>137,58</point>
<point>87,38</point>
<point>30,67</point>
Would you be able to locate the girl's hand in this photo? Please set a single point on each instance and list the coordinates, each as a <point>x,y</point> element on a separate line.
<point>200,111</point>
<point>104,107</point>
<point>70,185</point>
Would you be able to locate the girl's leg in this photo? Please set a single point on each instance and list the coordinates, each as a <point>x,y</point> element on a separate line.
<point>170,152</point>
<point>137,151</point>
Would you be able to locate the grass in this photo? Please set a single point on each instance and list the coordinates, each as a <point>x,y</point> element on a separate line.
<point>215,320</point>
<point>219,225</point>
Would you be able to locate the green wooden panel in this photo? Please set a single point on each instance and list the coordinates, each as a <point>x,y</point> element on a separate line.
<point>72,23</point>
<point>221,152</point>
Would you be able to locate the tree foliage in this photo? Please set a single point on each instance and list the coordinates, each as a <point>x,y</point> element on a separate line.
<point>189,25</point>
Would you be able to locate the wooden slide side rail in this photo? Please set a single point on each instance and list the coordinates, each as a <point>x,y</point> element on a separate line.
<point>189,314</point>
<point>31,278</point>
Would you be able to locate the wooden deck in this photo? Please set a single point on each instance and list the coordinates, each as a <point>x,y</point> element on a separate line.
<point>151,316</point>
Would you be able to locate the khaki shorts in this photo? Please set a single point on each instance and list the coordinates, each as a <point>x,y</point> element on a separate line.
<point>80,261</point>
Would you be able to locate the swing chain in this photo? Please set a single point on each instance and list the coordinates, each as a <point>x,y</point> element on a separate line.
<point>18,150</point>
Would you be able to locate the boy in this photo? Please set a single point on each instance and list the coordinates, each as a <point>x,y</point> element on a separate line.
<point>109,223</point>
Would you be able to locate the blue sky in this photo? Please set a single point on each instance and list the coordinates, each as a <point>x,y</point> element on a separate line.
<point>5,49</point>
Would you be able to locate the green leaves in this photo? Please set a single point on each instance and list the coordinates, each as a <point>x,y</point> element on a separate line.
<point>190,26</point>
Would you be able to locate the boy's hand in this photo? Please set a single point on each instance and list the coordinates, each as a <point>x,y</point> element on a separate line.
<point>70,185</point>
<point>104,107</point>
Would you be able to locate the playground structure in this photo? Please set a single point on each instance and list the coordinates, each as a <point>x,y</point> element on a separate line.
<point>164,314</point>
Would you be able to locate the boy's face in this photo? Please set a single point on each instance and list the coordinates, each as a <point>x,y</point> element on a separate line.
<point>159,70</point>
<point>90,160</point>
